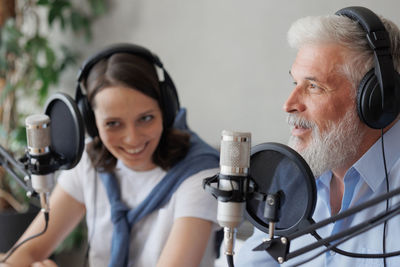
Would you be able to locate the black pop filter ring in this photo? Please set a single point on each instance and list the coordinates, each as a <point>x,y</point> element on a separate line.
<point>67,129</point>
<point>270,166</point>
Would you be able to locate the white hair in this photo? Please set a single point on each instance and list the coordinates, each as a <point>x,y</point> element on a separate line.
<point>341,30</point>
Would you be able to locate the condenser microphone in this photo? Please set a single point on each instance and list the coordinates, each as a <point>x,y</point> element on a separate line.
<point>39,156</point>
<point>234,168</point>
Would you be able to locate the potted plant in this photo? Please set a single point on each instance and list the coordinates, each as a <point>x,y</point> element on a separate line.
<point>30,63</point>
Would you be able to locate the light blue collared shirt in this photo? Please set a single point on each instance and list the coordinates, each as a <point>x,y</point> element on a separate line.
<point>363,181</point>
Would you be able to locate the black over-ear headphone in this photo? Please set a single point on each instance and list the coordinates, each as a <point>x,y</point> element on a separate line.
<point>378,96</point>
<point>168,101</point>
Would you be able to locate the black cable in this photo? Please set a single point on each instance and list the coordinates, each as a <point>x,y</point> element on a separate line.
<point>16,246</point>
<point>387,200</point>
<point>229,259</point>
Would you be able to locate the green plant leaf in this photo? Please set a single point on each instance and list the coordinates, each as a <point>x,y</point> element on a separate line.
<point>56,11</point>
<point>47,75</point>
<point>69,58</point>
<point>43,2</point>
<point>50,56</point>
<point>43,92</point>
<point>62,23</point>
<point>78,20</point>
<point>98,7</point>
<point>35,45</point>
<point>53,14</point>
<point>10,36</point>
<point>19,135</point>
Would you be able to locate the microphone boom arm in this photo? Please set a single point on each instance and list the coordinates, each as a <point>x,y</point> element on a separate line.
<point>278,247</point>
<point>10,165</point>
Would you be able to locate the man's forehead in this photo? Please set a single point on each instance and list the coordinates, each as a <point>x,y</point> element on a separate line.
<point>318,62</point>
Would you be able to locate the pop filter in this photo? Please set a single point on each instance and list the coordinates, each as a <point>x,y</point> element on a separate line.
<point>67,129</point>
<point>278,169</point>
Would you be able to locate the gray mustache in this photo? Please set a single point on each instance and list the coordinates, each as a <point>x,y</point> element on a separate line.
<point>295,120</point>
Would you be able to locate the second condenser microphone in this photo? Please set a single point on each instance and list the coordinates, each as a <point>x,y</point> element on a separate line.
<point>234,168</point>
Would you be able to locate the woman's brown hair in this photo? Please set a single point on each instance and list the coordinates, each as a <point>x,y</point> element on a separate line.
<point>128,70</point>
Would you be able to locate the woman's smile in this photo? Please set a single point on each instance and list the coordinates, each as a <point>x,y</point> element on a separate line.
<point>135,151</point>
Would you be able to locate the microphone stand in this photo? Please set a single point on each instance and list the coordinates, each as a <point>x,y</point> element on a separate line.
<point>278,247</point>
<point>10,165</point>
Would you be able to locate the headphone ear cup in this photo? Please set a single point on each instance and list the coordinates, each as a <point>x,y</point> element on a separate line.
<point>169,102</point>
<point>87,114</point>
<point>369,103</point>
<point>362,98</point>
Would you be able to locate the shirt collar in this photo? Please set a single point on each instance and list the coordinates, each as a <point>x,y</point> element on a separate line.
<point>370,165</point>
<point>324,179</point>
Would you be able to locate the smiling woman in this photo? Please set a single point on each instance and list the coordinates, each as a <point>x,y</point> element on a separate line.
<point>149,208</point>
<point>124,72</point>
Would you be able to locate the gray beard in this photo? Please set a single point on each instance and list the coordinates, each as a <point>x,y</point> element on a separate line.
<point>331,149</point>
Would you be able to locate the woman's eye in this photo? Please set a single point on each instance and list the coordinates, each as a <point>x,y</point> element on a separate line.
<point>146,118</point>
<point>112,124</point>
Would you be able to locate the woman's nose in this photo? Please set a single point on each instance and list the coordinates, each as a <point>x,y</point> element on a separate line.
<point>132,135</point>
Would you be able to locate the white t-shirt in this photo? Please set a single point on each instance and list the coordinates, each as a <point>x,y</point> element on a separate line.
<point>149,235</point>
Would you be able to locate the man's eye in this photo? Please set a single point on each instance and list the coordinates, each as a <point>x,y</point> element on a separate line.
<point>315,88</point>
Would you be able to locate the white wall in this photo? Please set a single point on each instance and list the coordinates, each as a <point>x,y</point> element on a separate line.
<point>229,58</point>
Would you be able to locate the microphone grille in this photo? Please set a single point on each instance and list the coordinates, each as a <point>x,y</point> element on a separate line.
<point>235,153</point>
<point>38,134</point>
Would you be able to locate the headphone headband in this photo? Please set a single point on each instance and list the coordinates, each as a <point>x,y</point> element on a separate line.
<point>118,48</point>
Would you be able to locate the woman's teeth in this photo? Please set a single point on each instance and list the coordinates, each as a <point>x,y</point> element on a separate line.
<point>135,151</point>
